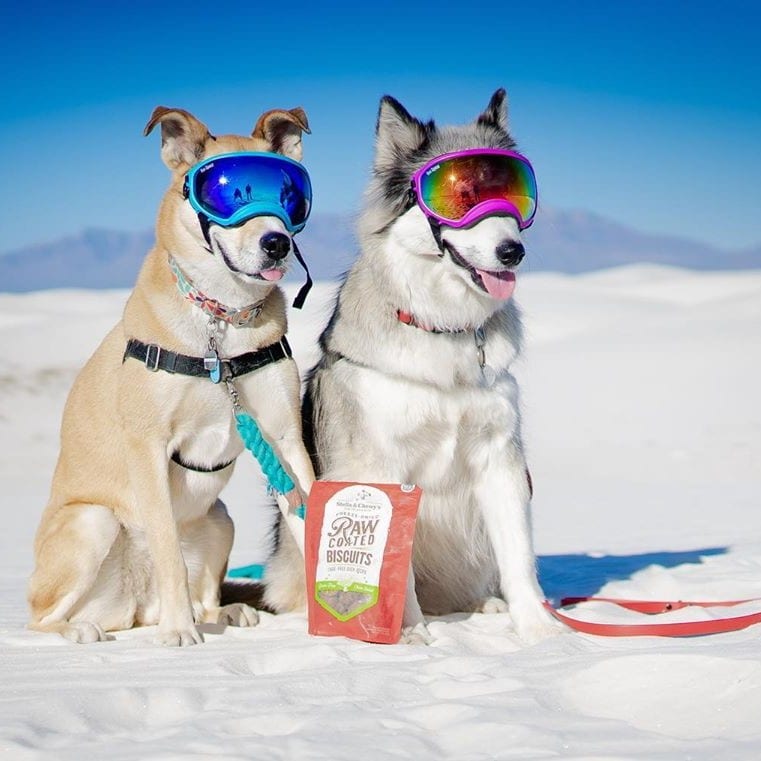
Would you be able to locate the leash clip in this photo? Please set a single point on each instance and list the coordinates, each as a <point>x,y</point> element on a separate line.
<point>211,359</point>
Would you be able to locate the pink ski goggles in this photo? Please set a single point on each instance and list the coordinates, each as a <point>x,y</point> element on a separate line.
<point>459,188</point>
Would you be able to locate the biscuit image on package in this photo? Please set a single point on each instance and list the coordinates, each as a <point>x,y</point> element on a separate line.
<point>344,603</point>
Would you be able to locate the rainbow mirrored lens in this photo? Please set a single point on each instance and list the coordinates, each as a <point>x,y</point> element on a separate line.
<point>452,186</point>
<point>234,187</point>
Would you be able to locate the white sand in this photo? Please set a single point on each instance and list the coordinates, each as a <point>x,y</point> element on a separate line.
<point>643,421</point>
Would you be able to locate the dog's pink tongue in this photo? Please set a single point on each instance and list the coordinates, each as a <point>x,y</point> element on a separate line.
<point>499,285</point>
<point>271,274</point>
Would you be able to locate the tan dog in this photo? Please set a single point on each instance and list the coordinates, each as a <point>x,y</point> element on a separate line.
<point>134,532</point>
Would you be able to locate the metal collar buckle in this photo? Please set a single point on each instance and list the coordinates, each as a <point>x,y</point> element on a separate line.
<point>153,366</point>
<point>244,317</point>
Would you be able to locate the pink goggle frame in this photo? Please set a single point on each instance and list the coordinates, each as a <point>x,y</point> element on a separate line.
<point>457,189</point>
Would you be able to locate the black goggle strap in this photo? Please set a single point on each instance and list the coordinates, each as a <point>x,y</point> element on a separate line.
<point>203,220</point>
<point>298,302</point>
<point>410,201</point>
<point>205,223</point>
<point>436,232</point>
<point>411,198</point>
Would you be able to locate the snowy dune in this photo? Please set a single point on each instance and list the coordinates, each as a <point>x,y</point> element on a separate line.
<point>643,427</point>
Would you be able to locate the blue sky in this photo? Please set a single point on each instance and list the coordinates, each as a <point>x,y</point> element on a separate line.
<point>646,112</point>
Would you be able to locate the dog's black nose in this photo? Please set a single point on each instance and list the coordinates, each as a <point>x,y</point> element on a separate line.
<point>276,245</point>
<point>511,252</point>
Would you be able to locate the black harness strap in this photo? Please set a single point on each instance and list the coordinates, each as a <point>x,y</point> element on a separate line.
<point>155,358</point>
<point>176,457</point>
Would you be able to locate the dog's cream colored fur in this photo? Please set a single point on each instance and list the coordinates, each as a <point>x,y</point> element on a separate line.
<point>129,537</point>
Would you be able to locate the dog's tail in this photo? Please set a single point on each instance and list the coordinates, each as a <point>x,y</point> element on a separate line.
<point>245,591</point>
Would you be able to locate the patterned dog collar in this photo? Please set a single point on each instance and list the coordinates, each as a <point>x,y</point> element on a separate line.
<point>239,318</point>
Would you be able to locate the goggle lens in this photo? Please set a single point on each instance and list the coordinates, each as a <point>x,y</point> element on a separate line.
<point>233,187</point>
<point>452,187</point>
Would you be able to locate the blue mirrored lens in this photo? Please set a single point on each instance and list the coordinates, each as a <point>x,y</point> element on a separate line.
<point>225,185</point>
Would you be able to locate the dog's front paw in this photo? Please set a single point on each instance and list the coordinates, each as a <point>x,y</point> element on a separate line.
<point>490,605</point>
<point>179,637</point>
<point>237,614</point>
<point>534,624</point>
<point>416,635</point>
<point>83,632</point>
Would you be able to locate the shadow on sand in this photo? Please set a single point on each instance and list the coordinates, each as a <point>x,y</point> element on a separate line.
<point>582,575</point>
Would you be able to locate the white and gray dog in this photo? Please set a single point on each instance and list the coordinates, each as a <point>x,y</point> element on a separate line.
<point>414,385</point>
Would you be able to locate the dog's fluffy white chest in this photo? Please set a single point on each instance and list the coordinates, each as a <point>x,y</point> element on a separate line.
<point>432,436</point>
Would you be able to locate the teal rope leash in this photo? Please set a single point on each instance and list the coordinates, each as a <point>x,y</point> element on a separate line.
<point>273,470</point>
<point>253,440</point>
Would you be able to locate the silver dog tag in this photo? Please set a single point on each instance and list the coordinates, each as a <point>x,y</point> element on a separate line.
<point>488,375</point>
<point>211,363</point>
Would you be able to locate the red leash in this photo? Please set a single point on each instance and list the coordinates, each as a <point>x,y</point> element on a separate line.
<point>655,607</point>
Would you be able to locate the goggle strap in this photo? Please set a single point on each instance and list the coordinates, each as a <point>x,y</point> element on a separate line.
<point>298,302</point>
<point>203,220</point>
<point>411,199</point>
<point>436,232</point>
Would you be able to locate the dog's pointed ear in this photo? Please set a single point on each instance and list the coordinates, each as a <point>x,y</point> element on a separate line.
<point>282,130</point>
<point>182,136</point>
<point>495,114</point>
<point>397,133</point>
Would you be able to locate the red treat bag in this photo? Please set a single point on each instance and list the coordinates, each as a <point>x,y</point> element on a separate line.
<point>358,549</point>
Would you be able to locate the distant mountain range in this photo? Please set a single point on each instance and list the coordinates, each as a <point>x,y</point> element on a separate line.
<point>560,241</point>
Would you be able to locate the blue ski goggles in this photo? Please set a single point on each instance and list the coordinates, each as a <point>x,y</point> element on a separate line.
<point>234,187</point>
